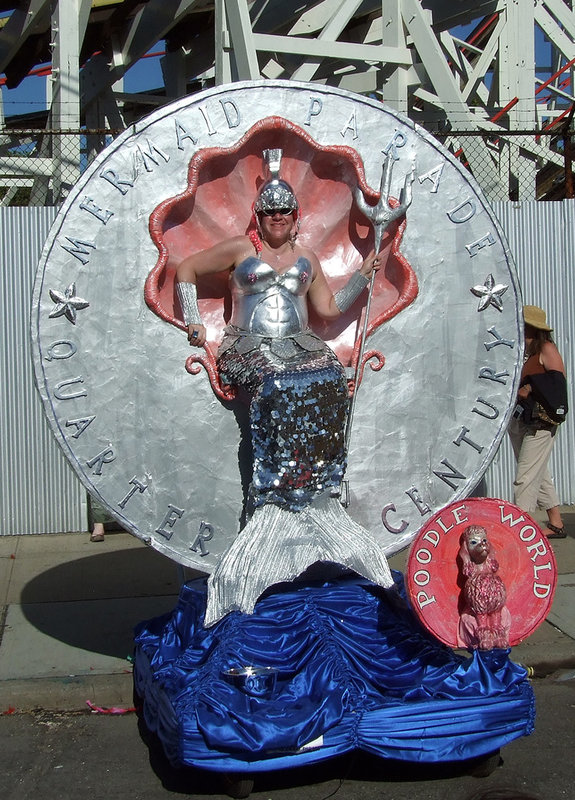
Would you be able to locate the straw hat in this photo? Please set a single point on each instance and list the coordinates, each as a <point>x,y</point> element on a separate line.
<point>536,317</point>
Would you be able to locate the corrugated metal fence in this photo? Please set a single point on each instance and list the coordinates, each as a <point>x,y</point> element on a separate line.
<point>542,239</point>
<point>39,493</point>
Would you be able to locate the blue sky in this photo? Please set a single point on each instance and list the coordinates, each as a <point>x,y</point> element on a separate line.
<point>30,95</point>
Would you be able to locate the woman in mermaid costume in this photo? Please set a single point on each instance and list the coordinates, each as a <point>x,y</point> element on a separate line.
<point>298,401</point>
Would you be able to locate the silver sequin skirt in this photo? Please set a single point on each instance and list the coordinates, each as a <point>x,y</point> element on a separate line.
<point>298,411</point>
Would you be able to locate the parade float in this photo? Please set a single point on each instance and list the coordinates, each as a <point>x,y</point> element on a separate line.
<point>332,657</point>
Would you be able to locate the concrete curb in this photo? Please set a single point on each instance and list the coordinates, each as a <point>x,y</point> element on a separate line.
<point>544,669</point>
<point>66,694</point>
<point>116,691</point>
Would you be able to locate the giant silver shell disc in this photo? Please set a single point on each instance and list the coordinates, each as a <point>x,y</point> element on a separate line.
<point>156,446</point>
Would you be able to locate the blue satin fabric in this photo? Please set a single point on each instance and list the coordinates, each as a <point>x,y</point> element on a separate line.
<point>353,668</point>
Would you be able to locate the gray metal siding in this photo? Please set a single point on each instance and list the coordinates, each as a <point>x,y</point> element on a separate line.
<point>542,239</point>
<point>39,493</point>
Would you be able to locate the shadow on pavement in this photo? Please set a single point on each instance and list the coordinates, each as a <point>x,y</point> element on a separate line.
<point>93,603</point>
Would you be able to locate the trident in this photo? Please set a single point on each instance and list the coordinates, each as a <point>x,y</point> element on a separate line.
<point>381,216</point>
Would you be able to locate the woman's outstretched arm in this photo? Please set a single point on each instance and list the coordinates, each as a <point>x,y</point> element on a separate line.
<point>331,306</point>
<point>219,258</point>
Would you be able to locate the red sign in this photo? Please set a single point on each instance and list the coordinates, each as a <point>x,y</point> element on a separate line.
<point>517,555</point>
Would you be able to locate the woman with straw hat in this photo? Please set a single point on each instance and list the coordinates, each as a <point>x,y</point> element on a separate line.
<point>532,430</point>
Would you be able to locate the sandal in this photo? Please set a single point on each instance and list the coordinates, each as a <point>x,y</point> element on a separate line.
<point>557,533</point>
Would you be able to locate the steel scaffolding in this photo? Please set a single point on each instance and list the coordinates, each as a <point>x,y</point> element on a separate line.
<point>492,78</point>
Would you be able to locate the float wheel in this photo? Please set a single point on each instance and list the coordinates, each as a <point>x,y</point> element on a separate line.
<point>237,786</point>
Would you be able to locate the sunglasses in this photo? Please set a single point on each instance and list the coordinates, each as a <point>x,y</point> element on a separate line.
<point>285,212</point>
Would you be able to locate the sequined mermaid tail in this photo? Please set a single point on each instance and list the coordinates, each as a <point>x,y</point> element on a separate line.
<point>277,545</point>
<point>298,411</point>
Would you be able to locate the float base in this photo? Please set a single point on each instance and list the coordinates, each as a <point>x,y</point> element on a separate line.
<point>350,668</point>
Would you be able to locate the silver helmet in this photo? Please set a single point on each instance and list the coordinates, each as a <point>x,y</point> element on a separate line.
<point>275,193</point>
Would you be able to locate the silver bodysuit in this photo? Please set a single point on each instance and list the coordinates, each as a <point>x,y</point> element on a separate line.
<point>269,309</point>
<point>267,303</point>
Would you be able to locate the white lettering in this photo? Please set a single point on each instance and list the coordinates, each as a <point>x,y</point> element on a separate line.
<point>509,518</point>
<point>457,514</point>
<point>424,600</point>
<point>441,524</point>
<point>538,567</point>
<point>523,535</point>
<point>428,535</point>
<point>421,581</point>
<point>541,590</point>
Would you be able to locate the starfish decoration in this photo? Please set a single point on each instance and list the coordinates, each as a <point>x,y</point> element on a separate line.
<point>67,303</point>
<point>490,293</point>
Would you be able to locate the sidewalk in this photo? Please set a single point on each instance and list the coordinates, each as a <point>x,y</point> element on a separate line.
<point>69,607</point>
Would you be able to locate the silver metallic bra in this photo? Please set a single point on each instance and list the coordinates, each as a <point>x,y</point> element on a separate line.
<point>267,303</point>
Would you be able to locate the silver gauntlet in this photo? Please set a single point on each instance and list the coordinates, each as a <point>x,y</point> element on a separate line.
<point>188,297</point>
<point>351,291</point>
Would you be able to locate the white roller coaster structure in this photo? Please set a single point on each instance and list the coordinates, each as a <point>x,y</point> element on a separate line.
<point>470,71</point>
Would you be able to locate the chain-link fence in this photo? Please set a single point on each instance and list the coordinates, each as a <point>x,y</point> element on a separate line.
<point>38,166</point>
<point>516,165</point>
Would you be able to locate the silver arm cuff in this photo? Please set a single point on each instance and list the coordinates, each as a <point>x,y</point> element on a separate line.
<point>351,291</point>
<point>188,297</point>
